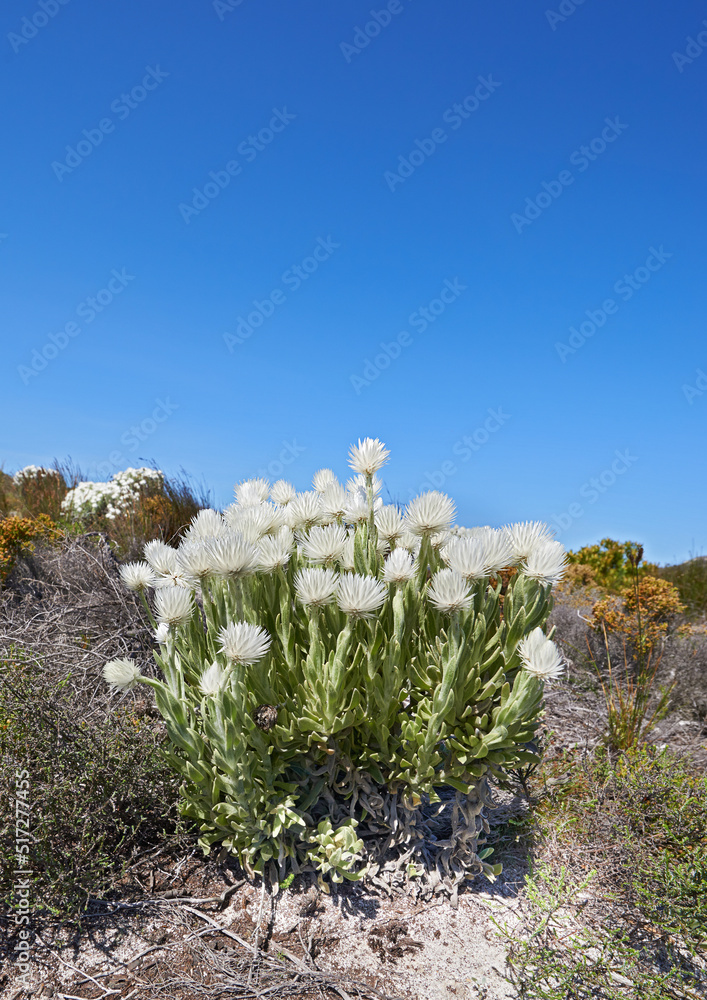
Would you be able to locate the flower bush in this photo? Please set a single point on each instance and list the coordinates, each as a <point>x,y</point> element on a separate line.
<point>330,665</point>
<point>113,499</point>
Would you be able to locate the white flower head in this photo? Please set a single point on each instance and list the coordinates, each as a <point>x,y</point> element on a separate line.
<point>137,575</point>
<point>322,479</point>
<point>368,456</point>
<point>429,513</point>
<point>162,557</point>
<point>334,500</point>
<point>255,521</point>
<point>324,544</point>
<point>389,523</point>
<point>449,591</point>
<point>274,551</point>
<point>122,674</point>
<point>233,555</point>
<point>211,680</point>
<point>205,524</point>
<point>195,559</point>
<point>282,492</point>
<point>540,656</point>
<point>358,484</point>
<point>399,567</point>
<point>316,587</point>
<point>244,643</point>
<point>466,556</point>
<point>525,536</point>
<point>305,511</point>
<point>498,551</point>
<point>161,633</point>
<point>173,605</point>
<point>547,562</point>
<point>252,491</point>
<point>347,555</point>
<point>360,596</point>
<point>356,511</point>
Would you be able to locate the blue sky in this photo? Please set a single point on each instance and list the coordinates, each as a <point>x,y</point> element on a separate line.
<point>238,236</point>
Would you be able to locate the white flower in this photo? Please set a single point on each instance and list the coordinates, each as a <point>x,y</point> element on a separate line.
<point>466,556</point>
<point>399,566</point>
<point>322,479</point>
<point>161,633</point>
<point>360,596</point>
<point>173,605</point>
<point>244,643</point>
<point>177,578</point>
<point>356,510</point>
<point>316,587</point>
<point>162,557</point>
<point>498,552</point>
<point>334,500</point>
<point>547,562</point>
<point>389,523</point>
<point>274,551</point>
<point>449,591</point>
<point>283,492</point>
<point>122,674</point>
<point>347,555</point>
<point>257,520</point>
<point>137,575</point>
<point>211,679</point>
<point>368,456</point>
<point>195,560</point>
<point>232,555</point>
<point>429,513</point>
<point>358,484</point>
<point>206,524</point>
<point>324,544</point>
<point>525,536</point>
<point>252,491</point>
<point>305,511</point>
<point>540,656</point>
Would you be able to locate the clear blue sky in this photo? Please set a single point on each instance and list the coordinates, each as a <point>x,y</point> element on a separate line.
<point>358,196</point>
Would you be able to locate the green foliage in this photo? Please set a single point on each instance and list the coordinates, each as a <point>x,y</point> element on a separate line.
<point>18,536</point>
<point>610,562</point>
<point>690,578</point>
<point>99,792</point>
<point>648,811</point>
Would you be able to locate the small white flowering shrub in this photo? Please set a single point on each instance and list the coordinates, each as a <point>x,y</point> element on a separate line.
<point>112,499</point>
<point>31,473</point>
<point>331,664</point>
